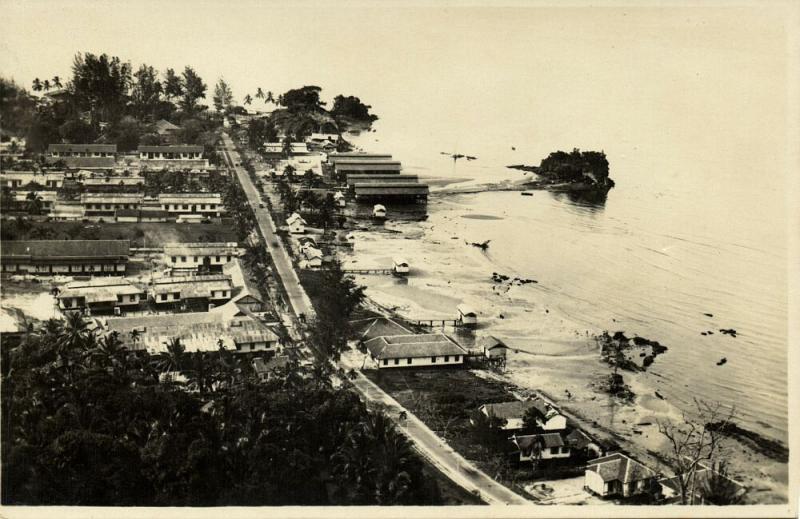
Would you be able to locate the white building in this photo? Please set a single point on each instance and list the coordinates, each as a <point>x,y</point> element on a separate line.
<point>207,205</point>
<point>617,475</point>
<point>400,266</point>
<point>379,211</point>
<point>546,446</point>
<point>296,224</point>
<point>193,256</point>
<point>401,351</point>
<point>172,157</point>
<point>100,294</point>
<point>467,315</point>
<point>339,199</point>
<point>181,289</point>
<point>512,413</point>
<point>313,257</point>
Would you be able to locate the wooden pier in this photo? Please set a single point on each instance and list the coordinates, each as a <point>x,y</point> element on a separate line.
<point>430,323</point>
<point>368,271</point>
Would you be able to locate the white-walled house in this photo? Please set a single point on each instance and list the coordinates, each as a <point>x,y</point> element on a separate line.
<point>180,289</point>
<point>402,351</point>
<point>549,418</point>
<point>192,256</point>
<point>618,475</point>
<point>296,224</point>
<point>100,294</point>
<point>513,413</point>
<point>48,257</point>
<point>545,446</point>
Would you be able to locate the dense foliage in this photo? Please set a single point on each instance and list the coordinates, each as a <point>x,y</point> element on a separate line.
<point>351,108</point>
<point>574,166</point>
<point>87,422</point>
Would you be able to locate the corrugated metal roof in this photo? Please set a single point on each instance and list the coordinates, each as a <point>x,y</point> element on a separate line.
<point>405,346</point>
<point>77,249</point>
<point>170,149</point>
<point>82,148</point>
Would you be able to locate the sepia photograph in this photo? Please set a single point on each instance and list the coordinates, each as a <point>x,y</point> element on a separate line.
<point>399,259</point>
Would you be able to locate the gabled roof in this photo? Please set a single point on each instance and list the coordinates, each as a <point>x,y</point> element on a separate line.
<point>619,467</point>
<point>578,439</point>
<point>381,326</point>
<point>41,249</point>
<point>82,148</point>
<point>491,342</point>
<point>84,162</point>
<point>99,290</point>
<point>262,366</point>
<point>413,346</point>
<point>508,410</point>
<point>546,441</point>
<point>163,126</point>
<point>295,217</point>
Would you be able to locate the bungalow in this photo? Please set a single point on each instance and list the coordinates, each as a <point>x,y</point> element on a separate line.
<point>184,289</point>
<point>296,224</point>
<point>21,179</point>
<point>400,266</point>
<point>381,327</point>
<point>430,349</point>
<point>100,295</point>
<point>172,157</point>
<point>148,215</point>
<point>548,417</point>
<point>65,256</point>
<point>547,446</point>
<point>193,256</point>
<point>343,167</point>
<point>618,475</point>
<point>493,347</point>
<point>512,413</point>
<point>313,257</point>
<point>582,444</point>
<point>105,205</point>
<point>357,155</point>
<point>83,156</point>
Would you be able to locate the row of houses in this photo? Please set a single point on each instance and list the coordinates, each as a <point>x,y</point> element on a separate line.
<point>104,156</point>
<point>81,257</point>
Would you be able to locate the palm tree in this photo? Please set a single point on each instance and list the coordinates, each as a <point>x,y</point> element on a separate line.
<point>259,93</point>
<point>289,172</point>
<point>269,98</point>
<point>287,146</point>
<point>248,99</point>
<point>34,202</point>
<point>57,82</point>
<point>135,336</point>
<point>172,359</point>
<point>46,85</point>
<point>110,352</point>
<point>37,85</point>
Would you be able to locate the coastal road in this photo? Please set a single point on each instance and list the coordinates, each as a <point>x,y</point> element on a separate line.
<point>298,299</point>
<point>441,455</point>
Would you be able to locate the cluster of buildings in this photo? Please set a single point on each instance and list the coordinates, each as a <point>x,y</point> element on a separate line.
<point>375,176</point>
<point>106,157</point>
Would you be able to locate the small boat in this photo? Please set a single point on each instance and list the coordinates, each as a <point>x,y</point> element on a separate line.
<point>526,193</point>
<point>379,212</point>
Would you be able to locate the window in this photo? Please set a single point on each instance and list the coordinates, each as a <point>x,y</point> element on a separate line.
<point>433,360</point>
<point>409,361</point>
<point>385,362</point>
<point>228,258</point>
<point>183,259</point>
<point>174,259</point>
<point>456,358</point>
<point>163,297</point>
<point>447,358</point>
<point>553,450</point>
<point>185,206</point>
<point>396,362</point>
<point>202,206</point>
<point>212,206</point>
<point>565,450</point>
<point>218,259</point>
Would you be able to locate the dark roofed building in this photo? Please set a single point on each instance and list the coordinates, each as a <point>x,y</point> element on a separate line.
<point>618,475</point>
<point>381,327</point>
<point>541,447</point>
<point>65,256</point>
<point>430,349</point>
<point>389,190</point>
<point>82,150</point>
<point>512,413</point>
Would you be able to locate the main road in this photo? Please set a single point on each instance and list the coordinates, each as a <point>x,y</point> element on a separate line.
<point>433,448</point>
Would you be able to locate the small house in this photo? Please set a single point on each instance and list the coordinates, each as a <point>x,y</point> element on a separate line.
<point>265,369</point>
<point>618,475</point>
<point>547,446</point>
<point>493,347</point>
<point>379,212</point>
<point>512,413</point>
<point>339,199</point>
<point>548,417</point>
<point>296,224</point>
<point>102,294</point>
<point>313,257</point>
<point>467,315</point>
<point>401,351</point>
<point>400,266</point>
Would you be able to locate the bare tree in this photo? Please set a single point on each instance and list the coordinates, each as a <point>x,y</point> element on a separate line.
<point>694,441</point>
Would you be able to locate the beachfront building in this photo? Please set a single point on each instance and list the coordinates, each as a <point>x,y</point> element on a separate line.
<point>379,211</point>
<point>197,331</point>
<point>583,445</point>
<point>535,447</point>
<point>47,257</point>
<point>83,156</point>
<point>333,158</point>
<point>344,167</point>
<point>400,266</point>
<point>354,179</point>
<point>173,157</point>
<point>397,192</point>
<point>618,475</point>
<point>206,205</point>
<point>192,290</point>
<point>99,295</point>
<point>401,351</point>
<point>548,418</point>
<point>296,224</point>
<point>191,257</point>
<point>511,413</point>
<point>467,315</point>
<point>492,347</point>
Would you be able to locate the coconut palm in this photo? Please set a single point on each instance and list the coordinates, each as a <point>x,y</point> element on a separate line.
<point>34,203</point>
<point>259,93</point>
<point>270,98</point>
<point>248,99</point>
<point>46,85</point>
<point>37,85</point>
<point>172,359</point>
<point>57,82</point>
